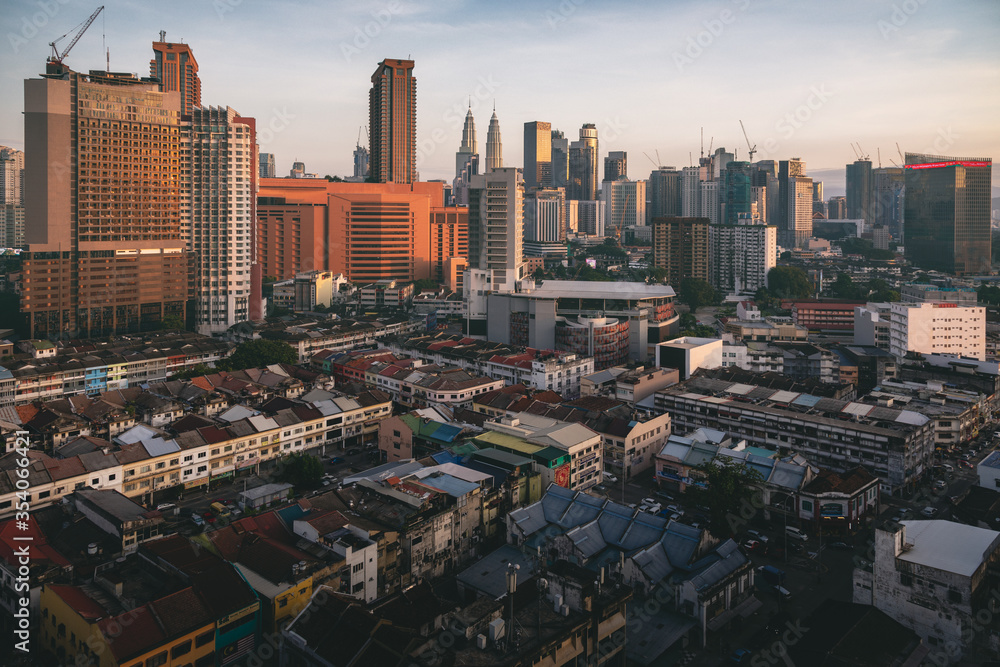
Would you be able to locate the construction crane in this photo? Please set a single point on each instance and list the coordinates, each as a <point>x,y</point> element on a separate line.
<point>655,166</point>
<point>753,149</point>
<point>902,160</point>
<point>864,156</point>
<point>57,57</point>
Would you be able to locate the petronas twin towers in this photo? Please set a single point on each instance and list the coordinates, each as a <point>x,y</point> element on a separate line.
<point>467,157</point>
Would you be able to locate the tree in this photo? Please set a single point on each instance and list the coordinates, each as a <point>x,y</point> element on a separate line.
<point>764,299</point>
<point>259,353</point>
<point>425,284</point>
<point>844,288</point>
<point>302,470</point>
<point>789,282</point>
<point>725,488</point>
<point>172,322</point>
<point>193,372</point>
<point>696,293</point>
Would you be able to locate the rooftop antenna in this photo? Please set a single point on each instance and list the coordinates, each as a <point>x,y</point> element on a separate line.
<point>703,142</point>
<point>691,158</point>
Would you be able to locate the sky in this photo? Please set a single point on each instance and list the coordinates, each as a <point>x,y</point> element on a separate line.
<point>808,79</point>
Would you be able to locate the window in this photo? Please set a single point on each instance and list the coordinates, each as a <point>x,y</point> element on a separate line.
<point>283,602</point>
<point>204,638</point>
<point>180,650</point>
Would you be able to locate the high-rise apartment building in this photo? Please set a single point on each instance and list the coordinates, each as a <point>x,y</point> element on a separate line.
<point>218,212</point>
<point>298,170</point>
<point>545,215</point>
<point>740,255</point>
<point>616,166</point>
<point>583,165</point>
<point>691,178</point>
<point>836,208</point>
<point>794,219</point>
<point>537,154</point>
<point>11,176</point>
<point>710,201</point>
<point>174,66</point>
<point>362,163</point>
<point>496,227</point>
<point>663,192</point>
<point>889,199</point>
<point>681,246</point>
<point>947,217</point>
<point>103,186</point>
<point>494,147</point>
<point>267,167</point>
<point>466,161</point>
<point>11,226</point>
<point>392,104</point>
<point>449,239</point>
<point>586,217</point>
<point>859,191</point>
<point>624,205</point>
<point>560,159</point>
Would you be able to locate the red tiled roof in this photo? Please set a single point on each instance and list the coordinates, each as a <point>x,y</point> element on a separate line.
<point>39,550</point>
<point>77,600</point>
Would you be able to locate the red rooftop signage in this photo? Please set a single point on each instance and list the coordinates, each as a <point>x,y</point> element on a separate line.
<point>952,163</point>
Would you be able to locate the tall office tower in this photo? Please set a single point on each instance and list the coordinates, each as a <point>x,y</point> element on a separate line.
<point>691,178</point>
<point>799,207</point>
<point>947,217</point>
<point>537,154</point>
<point>106,246</point>
<point>759,195</point>
<point>298,170</point>
<point>466,161</point>
<point>720,158</point>
<point>588,216</point>
<point>362,163</point>
<point>710,201</point>
<point>784,220</point>
<point>545,215</point>
<point>11,176</point>
<point>174,66</point>
<point>267,168</point>
<point>11,226</point>
<point>680,245</point>
<point>496,226</point>
<point>218,211</point>
<point>859,191</point>
<point>664,193</point>
<point>392,106</point>
<point>740,255</point>
<point>624,205</point>
<point>583,165</point>
<point>765,174</point>
<point>836,208</point>
<point>739,192</point>
<point>888,197</point>
<point>560,159</point>
<point>616,166</point>
<point>818,191</point>
<point>494,149</point>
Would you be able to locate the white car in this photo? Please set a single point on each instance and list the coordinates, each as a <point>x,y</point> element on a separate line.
<point>757,535</point>
<point>648,501</point>
<point>162,507</point>
<point>608,477</point>
<point>795,533</point>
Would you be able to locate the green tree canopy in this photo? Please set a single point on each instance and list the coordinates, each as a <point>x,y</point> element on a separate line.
<point>302,471</point>
<point>696,293</point>
<point>259,353</point>
<point>172,322</point>
<point>789,282</point>
<point>726,488</point>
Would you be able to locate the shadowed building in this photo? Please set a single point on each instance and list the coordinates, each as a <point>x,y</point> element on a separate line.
<point>392,104</point>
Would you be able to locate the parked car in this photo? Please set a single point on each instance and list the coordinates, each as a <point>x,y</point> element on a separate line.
<point>209,517</point>
<point>162,507</point>
<point>843,546</point>
<point>757,535</point>
<point>608,477</point>
<point>648,501</point>
<point>335,460</point>
<point>197,520</point>
<point>751,545</point>
<point>795,533</point>
<point>929,512</point>
<point>940,484</point>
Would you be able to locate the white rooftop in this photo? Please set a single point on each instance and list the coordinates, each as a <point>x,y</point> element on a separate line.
<point>586,289</point>
<point>949,546</point>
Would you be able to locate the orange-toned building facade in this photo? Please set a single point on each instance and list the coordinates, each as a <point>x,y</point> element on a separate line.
<point>367,231</point>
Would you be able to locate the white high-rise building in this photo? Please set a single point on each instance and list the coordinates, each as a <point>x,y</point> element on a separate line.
<point>218,214</point>
<point>496,226</point>
<point>691,178</point>
<point>545,215</point>
<point>586,217</point>
<point>799,207</point>
<point>710,201</point>
<point>494,149</point>
<point>937,328</point>
<point>624,204</point>
<point>740,256</point>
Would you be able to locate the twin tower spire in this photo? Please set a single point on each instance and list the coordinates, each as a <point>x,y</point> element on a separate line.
<point>494,150</point>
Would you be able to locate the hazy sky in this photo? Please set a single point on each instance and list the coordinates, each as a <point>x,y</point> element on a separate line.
<point>806,78</point>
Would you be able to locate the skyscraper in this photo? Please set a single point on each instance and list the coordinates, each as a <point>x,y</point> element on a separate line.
<point>615,166</point>
<point>836,208</point>
<point>624,205</point>
<point>664,193</point>
<point>494,149</point>
<point>680,245</point>
<point>560,159</point>
<point>537,154</point>
<point>799,209</point>
<point>267,168</point>
<point>691,178</point>
<point>947,217</point>
<point>466,161</point>
<point>740,255</point>
<point>106,245</point>
<point>11,176</point>
<point>739,192</point>
<point>583,165</point>
<point>392,104</point>
<point>859,191</point>
<point>218,212</point>
<point>361,163</point>
<point>888,199</point>
<point>496,226</point>
<point>174,66</point>
<point>786,218</point>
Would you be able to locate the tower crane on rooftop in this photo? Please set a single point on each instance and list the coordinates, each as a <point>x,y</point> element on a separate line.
<point>753,149</point>
<point>57,57</point>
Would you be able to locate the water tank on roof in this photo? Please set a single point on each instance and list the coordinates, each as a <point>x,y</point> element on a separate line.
<point>497,630</point>
<point>92,549</point>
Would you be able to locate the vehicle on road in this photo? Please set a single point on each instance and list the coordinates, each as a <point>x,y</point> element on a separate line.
<point>783,592</point>
<point>335,460</point>
<point>197,520</point>
<point>221,510</point>
<point>842,546</point>
<point>162,507</point>
<point>608,477</point>
<point>754,546</point>
<point>757,535</point>
<point>929,511</point>
<point>648,501</point>
<point>940,484</point>
<point>795,533</point>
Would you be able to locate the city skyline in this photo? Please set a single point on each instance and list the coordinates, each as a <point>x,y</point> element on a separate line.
<point>933,93</point>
